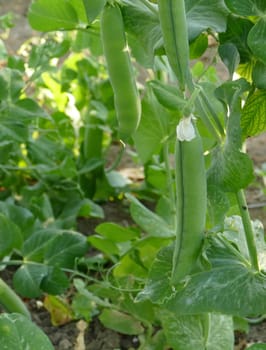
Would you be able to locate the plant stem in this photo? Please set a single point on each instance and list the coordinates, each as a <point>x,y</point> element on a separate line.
<point>11,301</point>
<point>252,249</point>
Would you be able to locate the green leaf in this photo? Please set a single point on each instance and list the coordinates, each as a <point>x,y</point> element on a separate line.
<point>228,288</point>
<point>105,245</point>
<point>55,282</point>
<point>115,232</point>
<point>261,346</point>
<point>65,249</point>
<point>259,75</point>
<point>27,280</point>
<point>189,332</point>
<point>93,8</point>
<point>231,170</point>
<point>11,84</point>
<point>230,57</point>
<point>10,236</point>
<point>203,14</point>
<point>253,116</point>
<point>27,109</point>
<point>150,133</point>
<point>144,30</point>
<point>19,333</point>
<point>49,15</point>
<point>198,46</point>
<point>150,222</point>
<point>237,34</point>
<point>158,288</point>
<point>247,7</point>
<point>35,246</point>
<point>256,40</point>
<point>121,322</point>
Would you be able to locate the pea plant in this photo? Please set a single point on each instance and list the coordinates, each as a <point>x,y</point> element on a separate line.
<point>191,267</point>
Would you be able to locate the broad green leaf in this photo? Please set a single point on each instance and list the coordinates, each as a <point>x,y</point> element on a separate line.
<point>256,40</point>
<point>115,232</point>
<point>105,245</point>
<point>144,30</point>
<point>230,57</point>
<point>259,75</point>
<point>93,8</point>
<point>49,15</point>
<point>10,236</point>
<point>150,134</point>
<point>230,92</point>
<point>11,84</point>
<point>19,333</point>
<point>229,287</point>
<point>247,7</point>
<point>232,289</point>
<point>203,14</point>
<point>231,170</point>
<point>120,322</point>
<point>65,249</point>
<point>150,222</point>
<point>198,46</point>
<point>237,33</point>
<point>189,332</point>
<point>27,109</point>
<point>55,282</point>
<point>253,116</point>
<point>158,287</point>
<point>27,280</point>
<point>35,246</point>
<point>20,216</point>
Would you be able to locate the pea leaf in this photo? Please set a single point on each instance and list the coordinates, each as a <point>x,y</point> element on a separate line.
<point>253,116</point>
<point>203,14</point>
<point>188,332</point>
<point>237,33</point>
<point>247,7</point>
<point>256,40</point>
<point>93,8</point>
<point>10,236</point>
<point>49,15</point>
<point>150,222</point>
<point>18,332</point>
<point>120,322</point>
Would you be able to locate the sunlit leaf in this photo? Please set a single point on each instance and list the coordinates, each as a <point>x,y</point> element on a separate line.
<point>253,116</point>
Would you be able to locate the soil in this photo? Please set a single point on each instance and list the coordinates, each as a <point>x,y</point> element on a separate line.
<point>78,335</point>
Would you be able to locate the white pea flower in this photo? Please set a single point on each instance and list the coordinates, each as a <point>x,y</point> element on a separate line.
<point>185,129</point>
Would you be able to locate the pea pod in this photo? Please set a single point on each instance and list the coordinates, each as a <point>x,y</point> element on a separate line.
<point>174,29</point>
<point>126,96</point>
<point>191,202</point>
<point>11,301</point>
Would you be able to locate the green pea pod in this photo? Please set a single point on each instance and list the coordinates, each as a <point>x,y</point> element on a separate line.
<point>191,203</point>
<point>126,96</point>
<point>11,301</point>
<point>174,29</point>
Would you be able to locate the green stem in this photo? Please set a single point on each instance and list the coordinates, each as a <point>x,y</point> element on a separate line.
<point>252,249</point>
<point>11,301</point>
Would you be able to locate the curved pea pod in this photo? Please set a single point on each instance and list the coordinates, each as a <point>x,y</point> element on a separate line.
<point>191,202</point>
<point>126,96</point>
